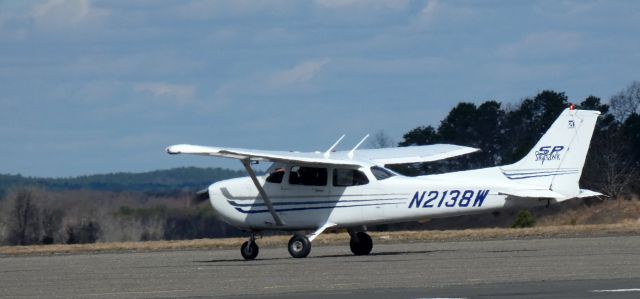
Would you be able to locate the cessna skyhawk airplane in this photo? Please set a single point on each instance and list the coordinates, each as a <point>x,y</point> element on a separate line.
<point>314,191</point>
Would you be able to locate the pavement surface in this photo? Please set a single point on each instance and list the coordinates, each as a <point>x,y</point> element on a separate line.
<point>525,268</point>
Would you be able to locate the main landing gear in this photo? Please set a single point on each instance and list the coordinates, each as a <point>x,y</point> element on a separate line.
<point>300,245</point>
<point>361,243</point>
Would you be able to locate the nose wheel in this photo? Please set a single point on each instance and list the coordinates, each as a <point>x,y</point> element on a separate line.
<point>249,249</point>
<point>299,246</point>
<point>361,243</point>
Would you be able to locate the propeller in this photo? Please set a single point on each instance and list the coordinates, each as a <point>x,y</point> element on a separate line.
<point>202,195</point>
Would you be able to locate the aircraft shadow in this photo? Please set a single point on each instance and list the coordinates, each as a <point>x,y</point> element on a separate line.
<point>356,258</point>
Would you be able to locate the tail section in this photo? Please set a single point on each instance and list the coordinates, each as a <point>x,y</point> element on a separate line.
<point>556,161</point>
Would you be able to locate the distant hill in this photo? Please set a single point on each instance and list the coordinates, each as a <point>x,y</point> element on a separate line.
<point>159,181</point>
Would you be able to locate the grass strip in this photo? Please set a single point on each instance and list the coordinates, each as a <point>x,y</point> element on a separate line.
<point>336,237</point>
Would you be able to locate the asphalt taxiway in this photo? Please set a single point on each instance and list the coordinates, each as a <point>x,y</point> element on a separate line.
<point>527,268</point>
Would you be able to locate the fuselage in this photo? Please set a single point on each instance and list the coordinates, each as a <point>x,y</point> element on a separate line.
<point>307,197</point>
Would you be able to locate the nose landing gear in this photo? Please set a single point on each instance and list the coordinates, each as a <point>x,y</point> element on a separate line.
<point>250,249</point>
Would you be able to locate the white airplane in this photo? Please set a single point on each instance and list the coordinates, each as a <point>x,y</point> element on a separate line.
<point>314,191</point>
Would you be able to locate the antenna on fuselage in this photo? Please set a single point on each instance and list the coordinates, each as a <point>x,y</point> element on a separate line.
<point>357,145</point>
<point>328,152</point>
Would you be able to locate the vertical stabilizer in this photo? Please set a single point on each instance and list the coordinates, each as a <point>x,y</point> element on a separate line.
<point>556,161</point>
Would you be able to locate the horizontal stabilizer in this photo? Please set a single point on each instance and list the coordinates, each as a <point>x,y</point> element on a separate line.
<point>535,193</point>
<point>588,193</point>
<point>542,193</point>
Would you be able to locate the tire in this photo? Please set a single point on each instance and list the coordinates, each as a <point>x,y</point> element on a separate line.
<point>362,245</point>
<point>249,252</point>
<point>299,246</point>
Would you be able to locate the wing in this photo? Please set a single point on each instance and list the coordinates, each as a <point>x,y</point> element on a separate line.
<point>243,154</point>
<point>413,154</point>
<point>396,155</point>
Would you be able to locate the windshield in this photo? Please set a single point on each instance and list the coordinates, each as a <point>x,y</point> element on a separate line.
<point>381,173</point>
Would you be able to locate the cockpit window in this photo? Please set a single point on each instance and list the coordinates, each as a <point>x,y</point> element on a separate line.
<point>381,173</point>
<point>276,176</point>
<point>309,176</point>
<point>349,177</point>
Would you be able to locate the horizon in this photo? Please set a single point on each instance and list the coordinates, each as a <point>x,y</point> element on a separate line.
<point>119,172</point>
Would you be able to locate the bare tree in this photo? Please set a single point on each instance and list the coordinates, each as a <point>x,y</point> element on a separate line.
<point>24,219</point>
<point>3,226</point>
<point>610,168</point>
<point>51,225</point>
<point>380,140</point>
<point>617,173</point>
<point>626,101</point>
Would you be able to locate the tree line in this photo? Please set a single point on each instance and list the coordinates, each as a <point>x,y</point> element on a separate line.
<point>505,134</point>
<point>158,182</point>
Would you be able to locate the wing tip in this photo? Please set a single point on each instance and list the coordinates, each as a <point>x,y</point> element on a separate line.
<point>173,149</point>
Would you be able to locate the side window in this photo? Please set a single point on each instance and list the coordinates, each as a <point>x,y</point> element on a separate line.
<point>381,173</point>
<point>349,177</point>
<point>309,176</point>
<point>276,176</point>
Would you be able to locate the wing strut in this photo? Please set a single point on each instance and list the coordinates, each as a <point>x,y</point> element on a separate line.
<point>357,145</point>
<point>328,152</point>
<point>320,230</point>
<point>263,194</point>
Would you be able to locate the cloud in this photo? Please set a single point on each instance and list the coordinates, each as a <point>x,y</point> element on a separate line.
<point>360,13</point>
<point>67,13</point>
<point>430,10</point>
<point>526,72</point>
<point>437,12</point>
<point>396,66</point>
<point>360,4</point>
<point>575,8</point>
<point>301,73</point>
<point>133,64</point>
<point>255,87</point>
<point>179,94</point>
<point>540,44</point>
<point>221,9</point>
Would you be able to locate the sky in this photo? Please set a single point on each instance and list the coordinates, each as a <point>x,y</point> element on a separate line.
<point>92,87</point>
